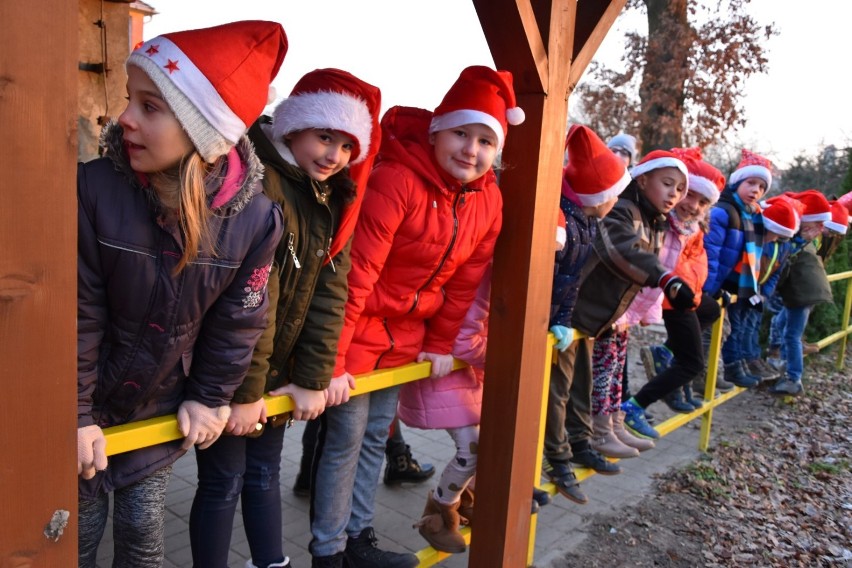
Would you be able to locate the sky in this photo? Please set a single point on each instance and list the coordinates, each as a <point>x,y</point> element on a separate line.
<point>414,50</point>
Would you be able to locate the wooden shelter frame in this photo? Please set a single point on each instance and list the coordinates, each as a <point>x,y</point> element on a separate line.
<point>545,44</point>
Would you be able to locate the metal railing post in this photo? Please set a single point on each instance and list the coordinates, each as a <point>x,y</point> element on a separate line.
<point>844,325</point>
<point>710,380</point>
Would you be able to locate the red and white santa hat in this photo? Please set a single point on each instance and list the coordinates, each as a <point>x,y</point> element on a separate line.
<point>703,177</point>
<point>330,99</point>
<point>782,216</point>
<point>839,218</point>
<point>480,95</point>
<point>846,201</point>
<point>752,165</point>
<point>658,159</point>
<point>816,205</point>
<point>593,172</point>
<point>216,80</point>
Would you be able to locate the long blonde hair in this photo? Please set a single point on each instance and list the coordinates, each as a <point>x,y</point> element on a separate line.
<point>187,193</point>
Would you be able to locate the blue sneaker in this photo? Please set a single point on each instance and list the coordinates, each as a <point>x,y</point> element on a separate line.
<point>634,418</point>
<point>655,359</point>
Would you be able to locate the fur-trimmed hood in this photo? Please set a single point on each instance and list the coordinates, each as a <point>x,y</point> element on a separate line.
<point>112,146</point>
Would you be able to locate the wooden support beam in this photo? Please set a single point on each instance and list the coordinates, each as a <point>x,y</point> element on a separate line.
<point>38,282</point>
<point>523,273</point>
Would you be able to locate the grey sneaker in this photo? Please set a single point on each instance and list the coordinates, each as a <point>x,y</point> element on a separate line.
<point>787,387</point>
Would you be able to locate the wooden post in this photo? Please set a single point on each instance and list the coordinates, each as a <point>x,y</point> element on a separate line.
<point>535,41</point>
<point>38,275</point>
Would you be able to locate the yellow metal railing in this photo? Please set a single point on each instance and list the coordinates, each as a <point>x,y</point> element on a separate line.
<point>845,328</point>
<point>145,433</point>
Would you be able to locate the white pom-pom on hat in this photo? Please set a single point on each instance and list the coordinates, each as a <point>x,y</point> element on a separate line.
<point>515,116</point>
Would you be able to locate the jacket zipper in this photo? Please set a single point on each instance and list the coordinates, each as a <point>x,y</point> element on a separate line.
<point>459,196</point>
<point>290,246</point>
<point>390,339</point>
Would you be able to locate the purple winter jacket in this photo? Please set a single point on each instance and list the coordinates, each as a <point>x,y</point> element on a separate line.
<point>148,340</point>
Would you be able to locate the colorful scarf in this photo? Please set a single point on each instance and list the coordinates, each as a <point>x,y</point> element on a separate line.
<point>751,223</point>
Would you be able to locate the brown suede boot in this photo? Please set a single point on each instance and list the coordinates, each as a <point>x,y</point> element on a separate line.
<point>605,441</point>
<point>466,507</point>
<point>440,526</point>
<point>641,444</point>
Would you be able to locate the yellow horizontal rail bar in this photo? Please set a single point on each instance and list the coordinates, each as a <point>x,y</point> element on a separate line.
<point>836,336</point>
<point>144,433</point>
<point>839,276</point>
<point>664,429</point>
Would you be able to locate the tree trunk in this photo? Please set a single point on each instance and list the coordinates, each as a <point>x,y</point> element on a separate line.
<point>667,68</point>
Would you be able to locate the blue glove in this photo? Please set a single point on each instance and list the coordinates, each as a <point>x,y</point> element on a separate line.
<point>564,336</point>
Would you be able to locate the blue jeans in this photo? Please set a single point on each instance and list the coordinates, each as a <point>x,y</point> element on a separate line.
<point>776,329</point>
<point>235,468</point>
<point>732,349</point>
<point>138,523</point>
<point>751,334</point>
<point>792,322</point>
<point>349,456</point>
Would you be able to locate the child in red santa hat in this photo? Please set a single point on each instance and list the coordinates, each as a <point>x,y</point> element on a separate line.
<point>626,260</point>
<point>592,181</point>
<point>672,367</point>
<point>317,149</point>
<point>425,236</point>
<point>802,285</point>
<point>176,243</point>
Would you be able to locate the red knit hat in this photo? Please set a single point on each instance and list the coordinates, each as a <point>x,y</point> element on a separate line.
<point>216,80</point>
<point>593,172</point>
<point>752,165</point>
<point>782,215</point>
<point>333,99</point>
<point>703,177</point>
<point>656,160</point>
<point>816,205</point>
<point>480,95</point>
<point>839,218</point>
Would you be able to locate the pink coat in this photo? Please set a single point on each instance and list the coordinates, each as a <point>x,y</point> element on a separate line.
<point>647,306</point>
<point>453,401</point>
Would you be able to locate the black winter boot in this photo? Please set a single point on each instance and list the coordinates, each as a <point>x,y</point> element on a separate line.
<point>403,468</point>
<point>363,552</point>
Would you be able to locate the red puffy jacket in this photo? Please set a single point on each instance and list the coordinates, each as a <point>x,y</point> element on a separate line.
<point>420,249</point>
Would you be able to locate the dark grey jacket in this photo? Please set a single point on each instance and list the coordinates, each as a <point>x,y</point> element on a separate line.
<point>147,340</point>
<point>624,261</point>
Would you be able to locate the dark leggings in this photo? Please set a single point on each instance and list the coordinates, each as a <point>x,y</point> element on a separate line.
<point>138,521</point>
<point>684,329</point>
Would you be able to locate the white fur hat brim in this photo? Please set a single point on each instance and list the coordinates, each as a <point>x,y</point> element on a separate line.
<point>325,109</point>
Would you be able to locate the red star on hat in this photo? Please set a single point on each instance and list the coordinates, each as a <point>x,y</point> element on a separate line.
<point>172,66</point>
<point>153,50</point>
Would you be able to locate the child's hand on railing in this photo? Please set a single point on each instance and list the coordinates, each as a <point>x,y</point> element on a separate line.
<point>91,451</point>
<point>339,389</point>
<point>307,403</point>
<point>245,417</point>
<point>200,424</point>
<point>441,364</point>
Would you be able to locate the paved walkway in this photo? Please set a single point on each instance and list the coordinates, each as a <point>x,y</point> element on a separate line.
<point>561,524</point>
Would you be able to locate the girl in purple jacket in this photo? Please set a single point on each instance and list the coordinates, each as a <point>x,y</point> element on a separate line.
<point>174,251</point>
